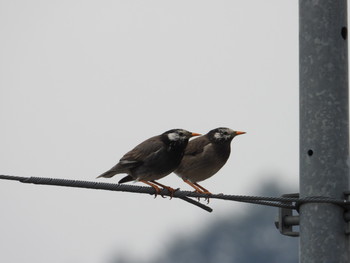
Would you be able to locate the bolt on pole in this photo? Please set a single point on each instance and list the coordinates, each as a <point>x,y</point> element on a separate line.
<point>324,128</point>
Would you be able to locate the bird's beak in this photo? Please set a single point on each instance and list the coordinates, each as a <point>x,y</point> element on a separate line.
<point>240,132</point>
<point>195,134</point>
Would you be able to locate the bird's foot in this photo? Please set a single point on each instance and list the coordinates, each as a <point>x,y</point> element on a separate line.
<point>203,192</point>
<point>207,198</point>
<point>170,189</point>
<point>157,191</point>
<point>156,188</point>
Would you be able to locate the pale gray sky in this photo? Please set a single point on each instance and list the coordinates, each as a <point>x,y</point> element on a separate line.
<point>83,82</point>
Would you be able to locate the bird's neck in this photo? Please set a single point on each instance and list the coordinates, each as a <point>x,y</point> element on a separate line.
<point>223,149</point>
<point>177,145</point>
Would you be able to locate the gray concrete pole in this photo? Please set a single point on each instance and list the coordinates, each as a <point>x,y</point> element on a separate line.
<point>324,128</point>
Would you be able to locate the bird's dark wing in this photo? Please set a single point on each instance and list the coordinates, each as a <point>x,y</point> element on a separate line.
<point>142,151</point>
<point>135,157</point>
<point>196,146</point>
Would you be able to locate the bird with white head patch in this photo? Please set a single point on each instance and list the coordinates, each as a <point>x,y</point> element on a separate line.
<point>205,156</point>
<point>153,159</point>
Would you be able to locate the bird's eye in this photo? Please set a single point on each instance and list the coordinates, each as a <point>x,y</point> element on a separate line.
<point>225,133</point>
<point>181,134</point>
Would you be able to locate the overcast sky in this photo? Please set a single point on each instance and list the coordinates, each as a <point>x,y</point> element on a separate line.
<point>83,82</point>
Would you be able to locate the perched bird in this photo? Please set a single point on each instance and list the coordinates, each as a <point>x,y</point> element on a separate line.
<point>153,159</point>
<point>205,156</point>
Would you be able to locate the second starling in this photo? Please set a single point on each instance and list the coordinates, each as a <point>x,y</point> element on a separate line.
<point>205,156</point>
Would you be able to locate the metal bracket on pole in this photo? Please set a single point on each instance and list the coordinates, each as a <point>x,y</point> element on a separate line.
<point>285,220</point>
<point>347,213</point>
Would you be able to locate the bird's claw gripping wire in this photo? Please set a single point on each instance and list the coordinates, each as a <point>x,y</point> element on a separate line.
<point>170,189</point>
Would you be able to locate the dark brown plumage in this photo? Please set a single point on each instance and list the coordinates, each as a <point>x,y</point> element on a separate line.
<point>205,156</point>
<point>153,159</point>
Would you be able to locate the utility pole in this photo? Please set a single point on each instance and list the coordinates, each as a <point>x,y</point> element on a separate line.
<point>324,129</point>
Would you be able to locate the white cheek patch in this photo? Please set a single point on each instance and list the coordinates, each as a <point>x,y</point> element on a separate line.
<point>217,135</point>
<point>173,136</point>
<point>220,135</point>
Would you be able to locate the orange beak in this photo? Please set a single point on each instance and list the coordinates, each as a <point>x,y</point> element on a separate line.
<point>240,132</point>
<point>195,134</point>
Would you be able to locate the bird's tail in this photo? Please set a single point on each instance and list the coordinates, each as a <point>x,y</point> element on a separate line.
<point>111,172</point>
<point>108,174</point>
<point>121,167</point>
<point>127,178</point>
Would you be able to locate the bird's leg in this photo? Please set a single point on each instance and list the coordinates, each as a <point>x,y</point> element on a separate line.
<point>198,190</point>
<point>171,190</point>
<point>153,186</point>
<point>205,190</point>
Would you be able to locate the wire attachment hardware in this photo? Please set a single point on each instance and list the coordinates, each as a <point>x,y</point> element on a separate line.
<point>285,220</point>
<point>347,213</point>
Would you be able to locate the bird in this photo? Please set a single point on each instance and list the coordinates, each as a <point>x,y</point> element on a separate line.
<point>153,159</point>
<point>205,156</point>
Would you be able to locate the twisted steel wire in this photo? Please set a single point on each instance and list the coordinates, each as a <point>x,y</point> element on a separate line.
<point>283,202</point>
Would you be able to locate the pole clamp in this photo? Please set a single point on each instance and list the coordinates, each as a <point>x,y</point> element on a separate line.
<point>286,219</point>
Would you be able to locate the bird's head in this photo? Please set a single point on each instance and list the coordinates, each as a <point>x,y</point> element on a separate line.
<point>223,135</point>
<point>178,135</point>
